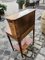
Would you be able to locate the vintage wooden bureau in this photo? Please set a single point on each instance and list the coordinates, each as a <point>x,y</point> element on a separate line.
<point>20,25</point>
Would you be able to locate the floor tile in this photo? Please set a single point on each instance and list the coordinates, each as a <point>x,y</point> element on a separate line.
<point>40,57</point>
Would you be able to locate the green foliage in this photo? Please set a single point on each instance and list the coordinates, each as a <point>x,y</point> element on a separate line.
<point>3,6</point>
<point>2,9</point>
<point>20,1</point>
<point>27,1</point>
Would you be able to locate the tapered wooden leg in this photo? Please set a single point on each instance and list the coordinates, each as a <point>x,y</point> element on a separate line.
<point>33,34</point>
<point>0,17</point>
<point>19,42</point>
<point>33,41</point>
<point>10,42</point>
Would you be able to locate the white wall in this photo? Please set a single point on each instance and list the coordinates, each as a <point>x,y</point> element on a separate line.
<point>41,1</point>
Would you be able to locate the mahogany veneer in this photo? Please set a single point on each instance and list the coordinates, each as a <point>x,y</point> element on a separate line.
<point>20,24</point>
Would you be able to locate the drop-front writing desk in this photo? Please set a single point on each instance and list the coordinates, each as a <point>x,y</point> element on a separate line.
<point>20,25</point>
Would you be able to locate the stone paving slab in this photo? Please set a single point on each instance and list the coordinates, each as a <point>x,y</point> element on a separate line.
<point>38,42</point>
<point>39,57</point>
<point>37,46</point>
<point>42,51</point>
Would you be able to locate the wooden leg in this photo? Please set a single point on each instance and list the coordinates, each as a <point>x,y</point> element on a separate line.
<point>33,41</point>
<point>19,42</point>
<point>33,34</point>
<point>10,42</point>
<point>0,17</point>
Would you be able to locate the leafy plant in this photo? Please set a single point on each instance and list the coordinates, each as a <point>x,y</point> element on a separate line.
<point>2,8</point>
<point>27,3</point>
<point>20,2</point>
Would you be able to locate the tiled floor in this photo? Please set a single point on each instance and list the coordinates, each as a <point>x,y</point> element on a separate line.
<point>6,52</point>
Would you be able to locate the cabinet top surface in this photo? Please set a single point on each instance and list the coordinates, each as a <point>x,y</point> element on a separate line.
<point>19,14</point>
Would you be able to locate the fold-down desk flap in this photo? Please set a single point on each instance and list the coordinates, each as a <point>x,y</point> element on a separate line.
<point>21,23</point>
<point>19,14</point>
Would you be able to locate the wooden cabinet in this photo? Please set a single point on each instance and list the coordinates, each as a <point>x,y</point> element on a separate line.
<point>20,25</point>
